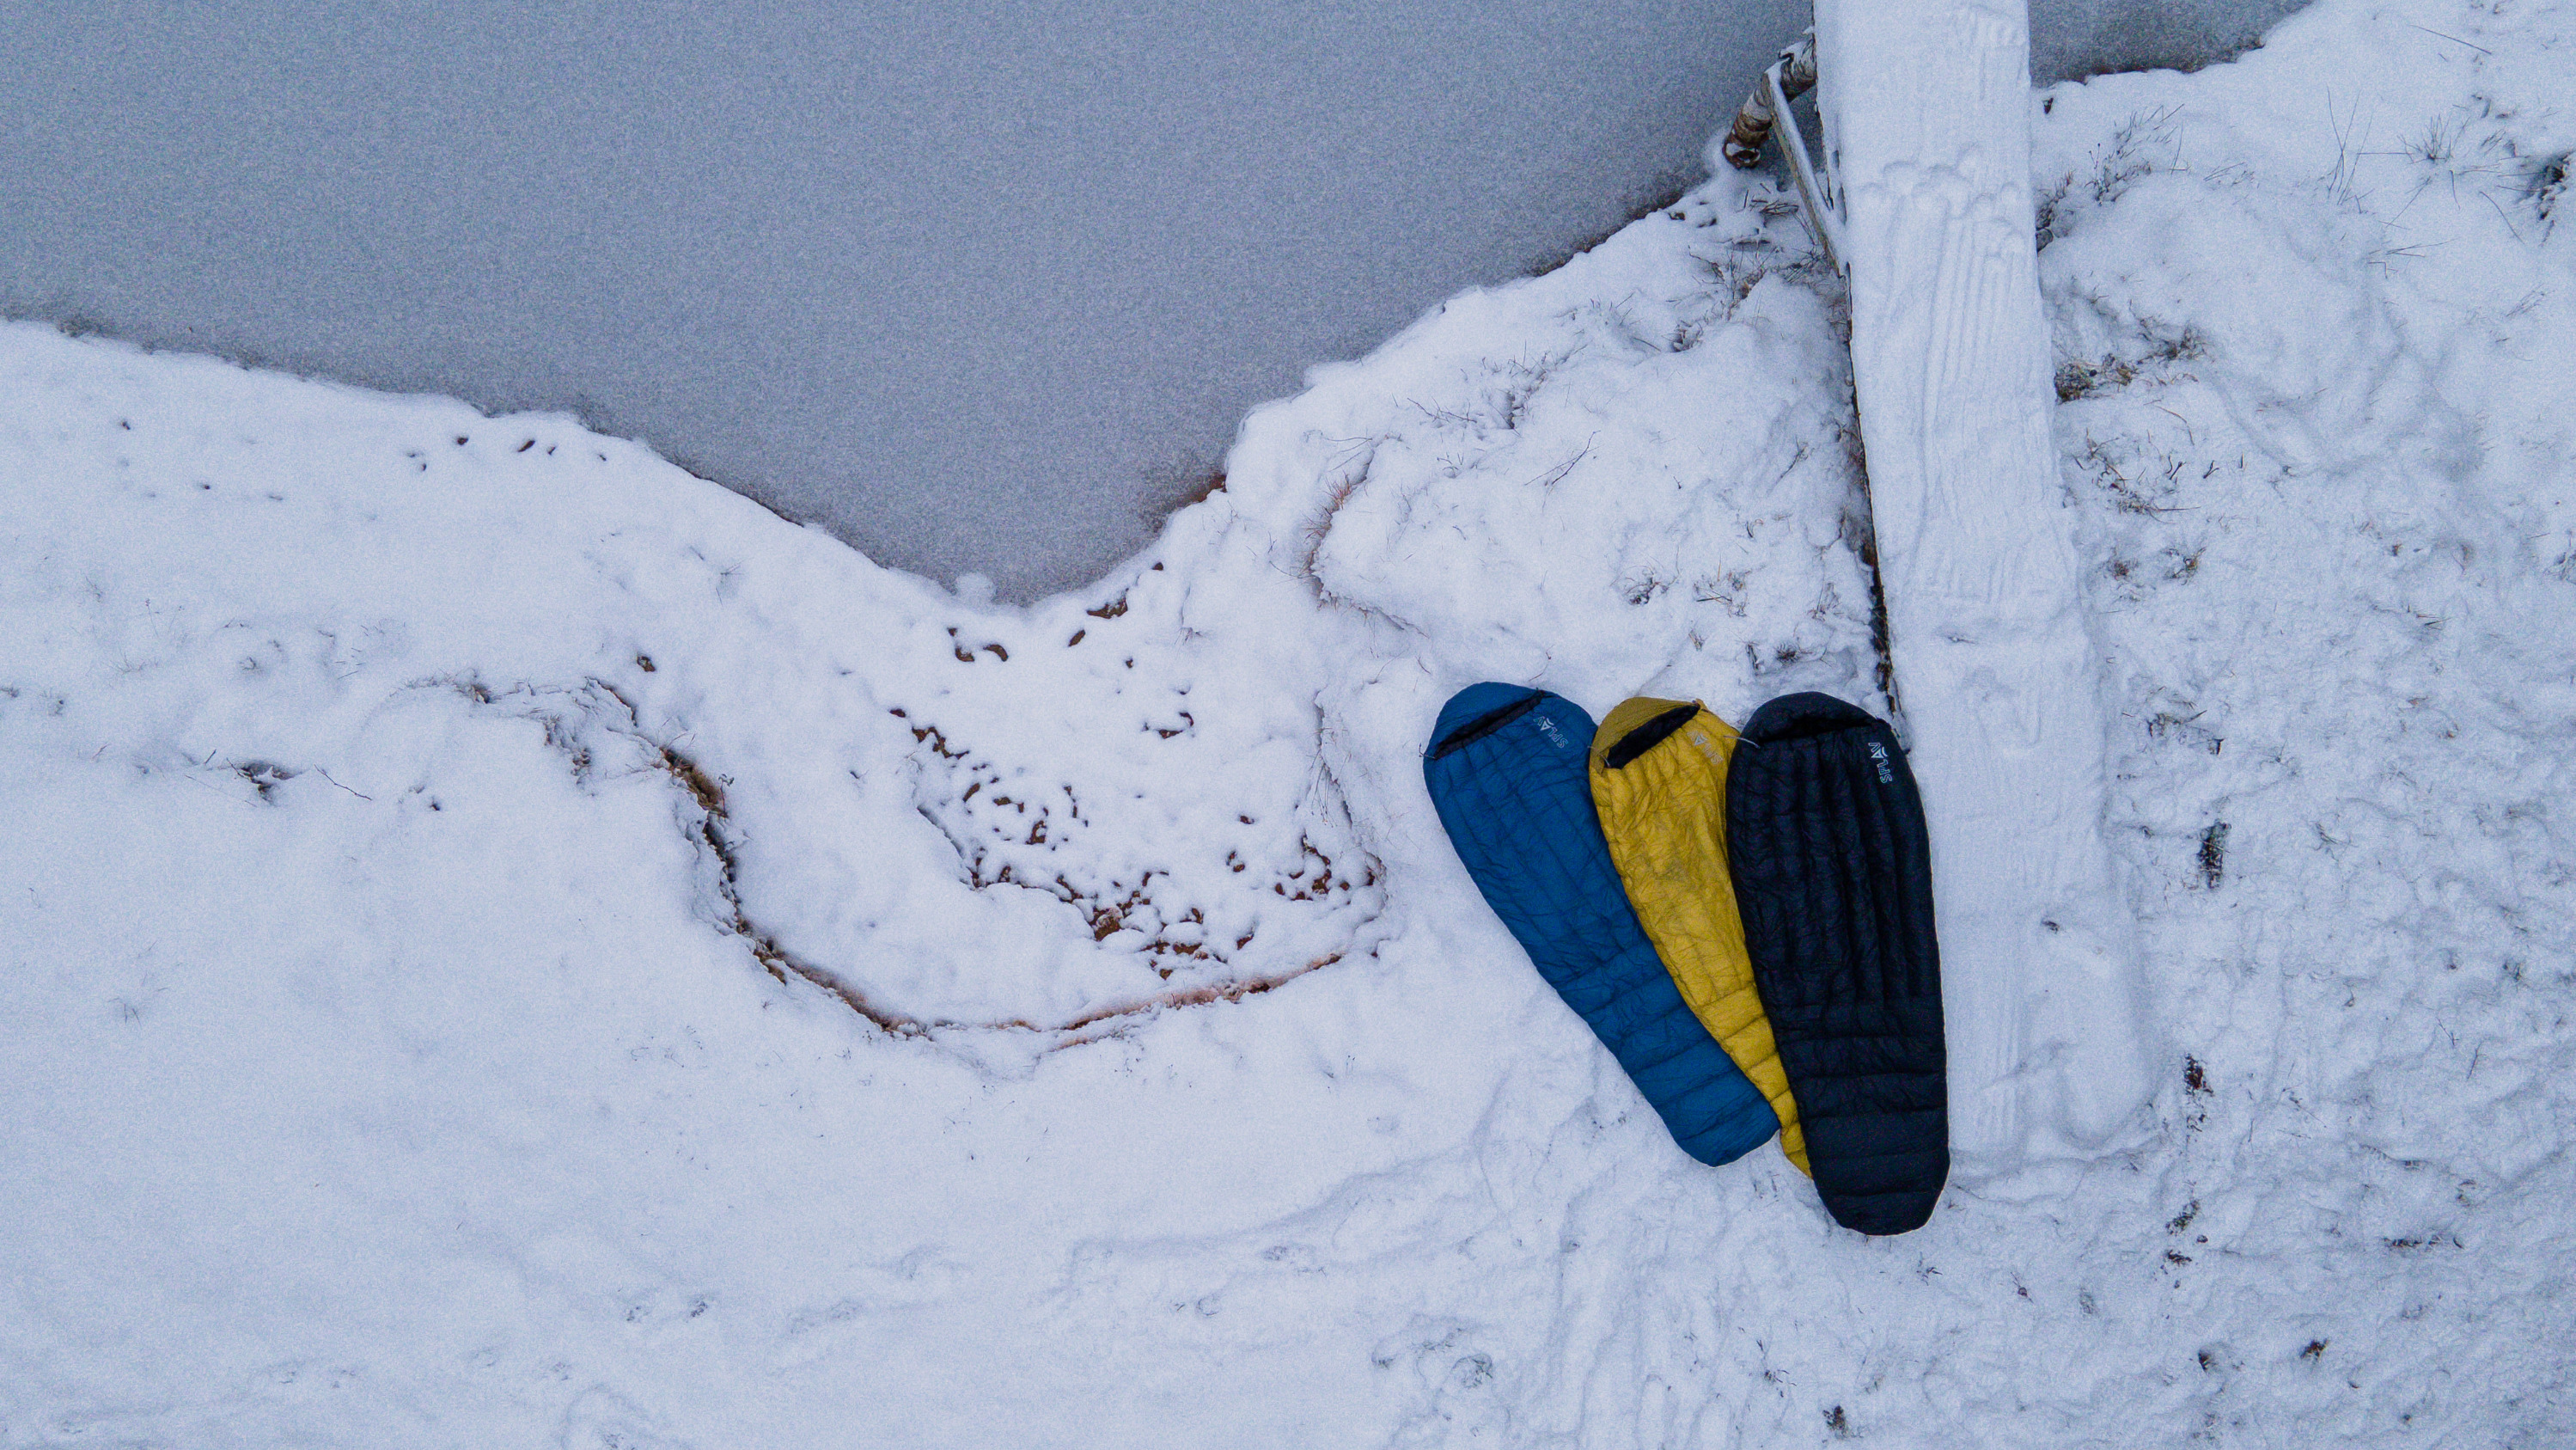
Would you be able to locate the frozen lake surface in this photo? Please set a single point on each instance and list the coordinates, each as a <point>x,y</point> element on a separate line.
<point>977,287</point>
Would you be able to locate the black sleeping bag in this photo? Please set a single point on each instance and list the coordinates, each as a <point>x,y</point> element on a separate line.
<point>1833,874</point>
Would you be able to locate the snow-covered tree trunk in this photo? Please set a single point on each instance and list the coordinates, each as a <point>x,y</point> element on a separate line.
<point>1926,107</point>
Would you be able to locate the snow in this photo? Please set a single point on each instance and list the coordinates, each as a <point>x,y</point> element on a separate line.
<point>2000,684</point>
<point>433,1025</point>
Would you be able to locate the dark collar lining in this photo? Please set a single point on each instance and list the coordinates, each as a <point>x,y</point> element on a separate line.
<point>1649,735</point>
<point>1484,725</point>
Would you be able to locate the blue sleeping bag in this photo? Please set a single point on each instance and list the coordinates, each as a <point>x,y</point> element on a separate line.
<point>1509,771</point>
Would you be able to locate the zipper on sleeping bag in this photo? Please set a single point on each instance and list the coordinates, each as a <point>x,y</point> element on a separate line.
<point>1484,725</point>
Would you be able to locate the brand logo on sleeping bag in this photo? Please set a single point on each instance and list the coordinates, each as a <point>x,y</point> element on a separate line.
<point>1548,727</point>
<point>1878,752</point>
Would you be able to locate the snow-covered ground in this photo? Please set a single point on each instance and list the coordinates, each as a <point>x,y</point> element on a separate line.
<point>508,943</point>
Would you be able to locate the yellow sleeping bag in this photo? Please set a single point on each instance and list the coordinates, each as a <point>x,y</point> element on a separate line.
<point>1659,784</point>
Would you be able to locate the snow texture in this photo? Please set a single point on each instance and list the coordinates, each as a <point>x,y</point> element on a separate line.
<point>487,963</point>
<point>1926,115</point>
